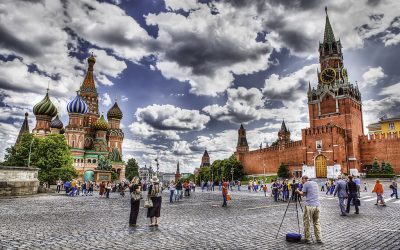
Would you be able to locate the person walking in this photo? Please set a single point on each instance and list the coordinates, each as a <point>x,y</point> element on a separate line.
<point>365,186</point>
<point>393,186</point>
<point>275,190</point>
<point>239,184</point>
<point>102,188</point>
<point>378,189</point>
<point>84,189</point>
<point>322,186</point>
<point>285,191</point>
<point>328,184</point>
<point>171,189</point>
<point>154,194</point>
<point>225,187</point>
<point>294,186</point>
<point>90,189</point>
<point>311,209</point>
<point>136,196</point>
<point>357,181</point>
<point>352,191</point>
<point>178,188</point>
<point>59,183</point>
<point>108,189</point>
<point>265,189</point>
<point>341,192</point>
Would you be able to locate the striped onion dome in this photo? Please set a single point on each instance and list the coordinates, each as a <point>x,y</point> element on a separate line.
<point>56,123</point>
<point>45,107</point>
<point>101,124</point>
<point>78,105</point>
<point>114,112</point>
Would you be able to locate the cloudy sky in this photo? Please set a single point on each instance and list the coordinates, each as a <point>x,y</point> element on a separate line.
<point>187,73</point>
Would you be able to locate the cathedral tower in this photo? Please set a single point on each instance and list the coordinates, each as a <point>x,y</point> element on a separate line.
<point>44,112</point>
<point>74,131</point>
<point>205,160</point>
<point>115,136</point>
<point>242,145</point>
<point>335,101</point>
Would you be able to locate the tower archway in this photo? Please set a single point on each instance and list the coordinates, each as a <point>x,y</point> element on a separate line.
<point>321,166</point>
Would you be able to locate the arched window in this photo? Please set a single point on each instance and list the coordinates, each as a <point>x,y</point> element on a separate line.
<point>94,161</point>
<point>89,161</point>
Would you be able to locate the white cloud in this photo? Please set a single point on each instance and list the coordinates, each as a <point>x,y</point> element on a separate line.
<point>392,90</point>
<point>108,65</point>
<point>169,117</point>
<point>242,106</point>
<point>146,131</point>
<point>181,148</point>
<point>124,98</point>
<point>105,99</point>
<point>371,77</point>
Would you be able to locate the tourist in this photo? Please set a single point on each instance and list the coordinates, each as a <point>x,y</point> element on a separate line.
<point>322,186</point>
<point>332,187</point>
<point>102,188</point>
<point>171,189</point>
<point>239,184</point>
<point>275,190</point>
<point>187,188</point>
<point>225,187</point>
<point>328,186</point>
<point>285,191</point>
<point>341,192</point>
<point>67,186</point>
<point>378,189</point>
<point>78,187</point>
<point>311,209</point>
<point>155,195</point>
<point>178,188</point>
<point>249,186</point>
<point>294,187</point>
<point>108,189</point>
<point>357,181</point>
<point>73,188</point>
<point>393,186</point>
<point>83,188</point>
<point>59,183</point>
<point>90,189</point>
<point>365,186</point>
<point>194,187</point>
<point>265,189</point>
<point>352,191</point>
<point>136,196</point>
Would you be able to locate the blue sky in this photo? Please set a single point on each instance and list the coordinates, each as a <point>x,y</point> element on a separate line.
<point>187,73</point>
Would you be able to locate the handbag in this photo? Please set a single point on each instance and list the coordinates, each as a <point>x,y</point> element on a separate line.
<point>228,197</point>
<point>148,203</point>
<point>358,202</point>
<point>136,196</point>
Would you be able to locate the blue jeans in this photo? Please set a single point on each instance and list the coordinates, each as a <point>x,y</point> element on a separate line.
<point>276,195</point>
<point>238,188</point>
<point>171,195</point>
<point>178,195</point>
<point>394,190</point>
<point>224,204</point>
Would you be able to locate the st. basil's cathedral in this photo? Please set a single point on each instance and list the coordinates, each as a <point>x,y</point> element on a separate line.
<point>88,134</point>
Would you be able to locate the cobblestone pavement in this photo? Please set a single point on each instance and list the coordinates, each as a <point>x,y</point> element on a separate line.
<point>199,222</point>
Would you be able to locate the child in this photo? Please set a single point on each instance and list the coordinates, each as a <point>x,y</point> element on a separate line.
<point>265,189</point>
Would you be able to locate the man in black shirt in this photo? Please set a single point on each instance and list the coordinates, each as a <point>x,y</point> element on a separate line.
<point>352,195</point>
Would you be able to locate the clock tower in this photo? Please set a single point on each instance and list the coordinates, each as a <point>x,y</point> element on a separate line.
<point>335,101</point>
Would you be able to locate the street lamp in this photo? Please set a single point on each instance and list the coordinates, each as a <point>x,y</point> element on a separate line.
<point>232,173</point>
<point>29,156</point>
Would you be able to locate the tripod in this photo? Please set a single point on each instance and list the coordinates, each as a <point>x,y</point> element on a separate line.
<point>297,200</point>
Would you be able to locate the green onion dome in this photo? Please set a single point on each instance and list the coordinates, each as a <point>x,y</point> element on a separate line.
<point>114,112</point>
<point>56,123</point>
<point>101,124</point>
<point>45,107</point>
<point>91,59</point>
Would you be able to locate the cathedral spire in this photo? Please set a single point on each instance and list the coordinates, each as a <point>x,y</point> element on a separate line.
<point>283,126</point>
<point>88,84</point>
<point>24,129</point>
<point>329,37</point>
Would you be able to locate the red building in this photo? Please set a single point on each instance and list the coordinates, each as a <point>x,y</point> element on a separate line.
<point>335,142</point>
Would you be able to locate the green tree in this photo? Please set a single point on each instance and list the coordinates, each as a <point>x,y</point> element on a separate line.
<point>131,169</point>
<point>283,171</point>
<point>47,153</point>
<point>375,167</point>
<point>64,173</point>
<point>387,168</point>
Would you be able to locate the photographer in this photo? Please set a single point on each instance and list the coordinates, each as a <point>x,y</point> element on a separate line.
<point>311,209</point>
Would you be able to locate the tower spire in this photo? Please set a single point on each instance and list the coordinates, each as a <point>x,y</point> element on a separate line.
<point>24,129</point>
<point>329,37</point>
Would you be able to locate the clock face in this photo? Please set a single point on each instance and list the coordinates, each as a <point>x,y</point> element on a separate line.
<point>344,74</point>
<point>328,76</point>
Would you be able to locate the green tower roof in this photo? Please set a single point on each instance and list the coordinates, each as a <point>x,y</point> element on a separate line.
<point>329,37</point>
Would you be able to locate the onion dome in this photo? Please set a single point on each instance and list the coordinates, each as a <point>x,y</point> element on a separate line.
<point>45,107</point>
<point>91,59</point>
<point>114,112</point>
<point>101,124</point>
<point>56,123</point>
<point>78,105</point>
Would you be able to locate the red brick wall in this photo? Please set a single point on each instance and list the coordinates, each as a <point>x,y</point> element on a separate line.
<point>383,149</point>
